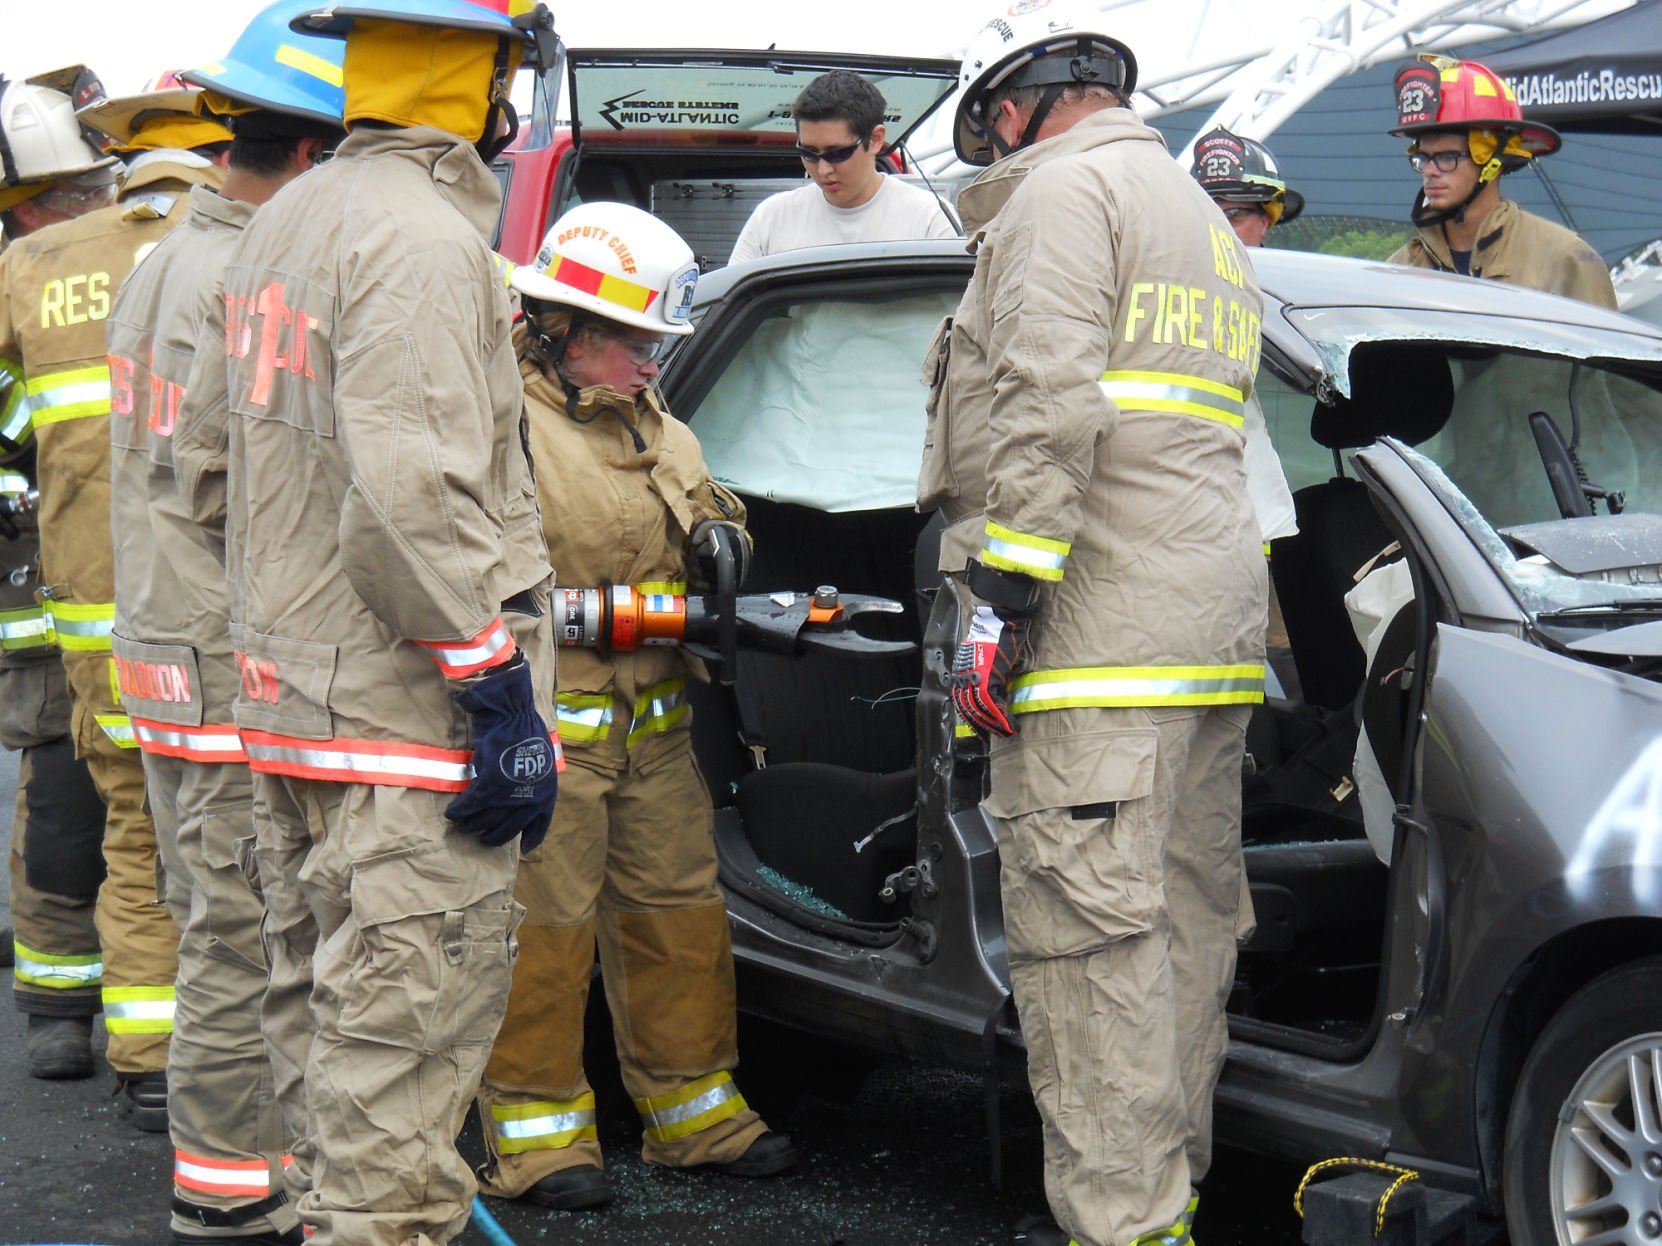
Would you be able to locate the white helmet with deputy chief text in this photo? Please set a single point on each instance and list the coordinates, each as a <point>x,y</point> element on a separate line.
<point>614,261</point>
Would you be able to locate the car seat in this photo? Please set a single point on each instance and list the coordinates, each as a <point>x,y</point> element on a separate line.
<point>1398,389</point>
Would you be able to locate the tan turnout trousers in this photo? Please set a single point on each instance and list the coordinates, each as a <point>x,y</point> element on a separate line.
<point>1121,920</point>
<point>629,863</point>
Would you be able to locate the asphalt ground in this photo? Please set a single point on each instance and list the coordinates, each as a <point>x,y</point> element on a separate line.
<point>895,1158</point>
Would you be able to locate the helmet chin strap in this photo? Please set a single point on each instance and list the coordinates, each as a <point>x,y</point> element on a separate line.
<point>1425,217</point>
<point>1035,123</point>
<point>489,145</point>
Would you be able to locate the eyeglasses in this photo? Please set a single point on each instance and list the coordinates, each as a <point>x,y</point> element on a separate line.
<point>831,155</point>
<point>1446,161</point>
<point>1239,213</point>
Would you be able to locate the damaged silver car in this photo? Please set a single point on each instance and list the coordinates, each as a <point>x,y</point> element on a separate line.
<point>1453,794</point>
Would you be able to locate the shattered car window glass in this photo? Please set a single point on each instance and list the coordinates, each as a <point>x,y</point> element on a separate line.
<point>822,405</point>
<point>1541,586</point>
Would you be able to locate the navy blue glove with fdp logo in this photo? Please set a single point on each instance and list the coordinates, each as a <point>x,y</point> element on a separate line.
<point>515,777</point>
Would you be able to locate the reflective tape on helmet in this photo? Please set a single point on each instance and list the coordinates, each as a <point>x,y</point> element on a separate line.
<point>55,973</point>
<point>119,728</point>
<point>547,1125</point>
<point>232,1178</point>
<point>630,295</point>
<point>1109,686</point>
<point>78,626</point>
<point>660,707</point>
<point>583,718</point>
<point>213,742</point>
<point>138,1009</point>
<point>1176,392</point>
<point>69,395</point>
<point>24,628</point>
<point>1037,556</point>
<point>691,1109</point>
<point>13,483</point>
<point>310,63</point>
<point>458,659</point>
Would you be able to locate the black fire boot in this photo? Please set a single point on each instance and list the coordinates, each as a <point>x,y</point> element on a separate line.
<point>58,1048</point>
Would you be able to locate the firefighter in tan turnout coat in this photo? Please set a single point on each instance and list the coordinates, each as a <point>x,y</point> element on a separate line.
<point>173,649</point>
<point>1085,447</point>
<point>630,862</point>
<point>389,608</point>
<point>52,174</point>
<point>58,289</point>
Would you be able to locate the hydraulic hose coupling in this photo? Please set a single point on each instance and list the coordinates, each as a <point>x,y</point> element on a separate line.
<point>618,618</point>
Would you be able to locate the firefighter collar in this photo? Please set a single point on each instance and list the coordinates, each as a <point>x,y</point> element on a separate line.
<point>982,199</point>
<point>457,172</point>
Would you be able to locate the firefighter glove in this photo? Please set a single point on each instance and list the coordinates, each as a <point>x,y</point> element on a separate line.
<point>987,656</point>
<point>713,540</point>
<point>515,775</point>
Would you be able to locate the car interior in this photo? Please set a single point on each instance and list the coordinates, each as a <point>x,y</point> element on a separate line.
<point>811,761</point>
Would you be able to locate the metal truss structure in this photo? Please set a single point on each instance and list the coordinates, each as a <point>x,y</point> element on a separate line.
<point>1254,85</point>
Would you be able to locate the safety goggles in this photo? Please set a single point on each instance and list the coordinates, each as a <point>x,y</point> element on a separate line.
<point>831,155</point>
<point>1446,161</point>
<point>640,351</point>
<point>1244,212</point>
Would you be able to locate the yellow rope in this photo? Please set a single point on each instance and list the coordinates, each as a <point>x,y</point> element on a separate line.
<point>1403,1177</point>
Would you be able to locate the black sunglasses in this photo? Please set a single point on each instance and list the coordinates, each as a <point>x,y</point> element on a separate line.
<point>831,155</point>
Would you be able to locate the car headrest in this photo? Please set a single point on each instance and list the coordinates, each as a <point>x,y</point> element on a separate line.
<point>1398,389</point>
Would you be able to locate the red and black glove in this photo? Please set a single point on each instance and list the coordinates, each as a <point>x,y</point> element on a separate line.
<point>986,659</point>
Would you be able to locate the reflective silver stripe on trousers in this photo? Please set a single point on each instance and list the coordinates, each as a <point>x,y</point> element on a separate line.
<point>37,972</point>
<point>705,1102</point>
<point>545,1126</point>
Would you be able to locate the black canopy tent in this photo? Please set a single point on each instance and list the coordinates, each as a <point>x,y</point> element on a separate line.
<point>1603,78</point>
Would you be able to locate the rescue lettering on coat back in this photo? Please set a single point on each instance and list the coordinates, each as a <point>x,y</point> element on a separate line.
<point>65,301</point>
<point>1172,314</point>
<point>157,410</point>
<point>279,337</point>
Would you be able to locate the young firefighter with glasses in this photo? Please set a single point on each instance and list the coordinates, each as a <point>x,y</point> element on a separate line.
<point>1466,131</point>
<point>839,135</point>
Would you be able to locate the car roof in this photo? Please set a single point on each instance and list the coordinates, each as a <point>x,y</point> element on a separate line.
<point>1317,307</point>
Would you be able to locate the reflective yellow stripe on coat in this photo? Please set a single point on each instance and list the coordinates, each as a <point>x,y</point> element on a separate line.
<point>80,627</point>
<point>660,708</point>
<point>583,718</point>
<point>24,628</point>
<point>1037,556</point>
<point>695,1107</point>
<point>547,1125</point>
<point>15,425</point>
<point>72,395</point>
<point>1176,392</point>
<point>1126,686</point>
<point>138,1009</point>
